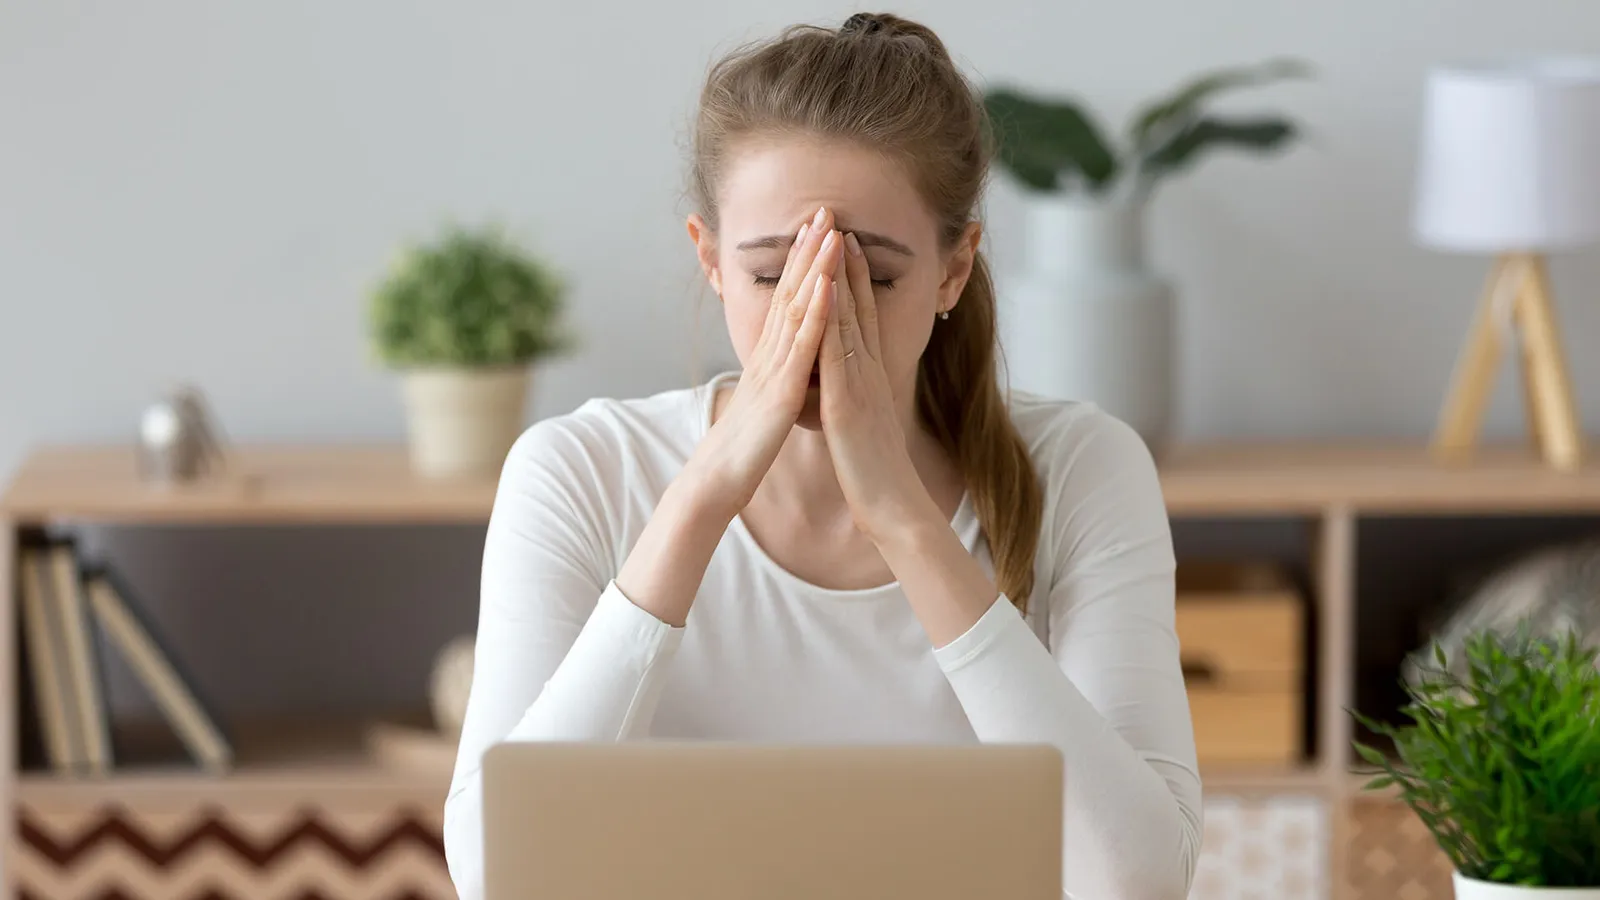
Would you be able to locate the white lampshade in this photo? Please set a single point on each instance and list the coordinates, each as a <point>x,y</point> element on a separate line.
<point>1510,157</point>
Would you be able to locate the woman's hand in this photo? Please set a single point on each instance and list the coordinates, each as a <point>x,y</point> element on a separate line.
<point>664,569</point>
<point>771,392</point>
<point>864,436</point>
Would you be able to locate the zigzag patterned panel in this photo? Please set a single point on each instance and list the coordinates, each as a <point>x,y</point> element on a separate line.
<point>205,853</point>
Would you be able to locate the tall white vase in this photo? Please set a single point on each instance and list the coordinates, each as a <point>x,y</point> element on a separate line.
<point>1086,319</point>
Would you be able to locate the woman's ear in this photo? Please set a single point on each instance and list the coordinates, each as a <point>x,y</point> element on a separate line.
<point>958,268</point>
<point>705,248</point>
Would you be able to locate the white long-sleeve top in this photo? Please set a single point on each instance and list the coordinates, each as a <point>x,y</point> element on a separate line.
<point>765,656</point>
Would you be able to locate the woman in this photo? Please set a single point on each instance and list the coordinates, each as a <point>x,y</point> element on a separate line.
<point>853,538</point>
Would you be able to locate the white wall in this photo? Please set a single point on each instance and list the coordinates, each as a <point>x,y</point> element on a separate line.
<point>200,191</point>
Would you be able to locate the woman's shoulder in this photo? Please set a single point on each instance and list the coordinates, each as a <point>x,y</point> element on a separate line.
<point>1062,435</point>
<point>1102,491</point>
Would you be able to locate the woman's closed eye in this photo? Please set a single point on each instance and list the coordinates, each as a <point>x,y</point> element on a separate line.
<point>771,281</point>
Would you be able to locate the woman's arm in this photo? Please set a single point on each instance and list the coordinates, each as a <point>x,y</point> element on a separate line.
<point>562,652</point>
<point>1109,690</point>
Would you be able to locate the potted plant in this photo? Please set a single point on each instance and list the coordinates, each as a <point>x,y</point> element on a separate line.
<point>1087,319</point>
<point>463,318</point>
<point>1502,764</point>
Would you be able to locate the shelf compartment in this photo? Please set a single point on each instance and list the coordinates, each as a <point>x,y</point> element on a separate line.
<point>1241,627</point>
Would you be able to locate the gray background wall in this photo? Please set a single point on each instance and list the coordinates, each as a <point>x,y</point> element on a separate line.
<point>200,191</point>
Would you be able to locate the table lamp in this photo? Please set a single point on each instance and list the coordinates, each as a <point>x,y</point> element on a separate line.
<point>1509,166</point>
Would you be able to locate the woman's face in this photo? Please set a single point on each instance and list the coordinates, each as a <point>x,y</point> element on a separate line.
<point>770,188</point>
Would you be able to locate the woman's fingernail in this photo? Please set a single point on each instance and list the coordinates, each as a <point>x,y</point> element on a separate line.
<point>827,242</point>
<point>822,213</point>
<point>801,235</point>
<point>853,244</point>
<point>822,285</point>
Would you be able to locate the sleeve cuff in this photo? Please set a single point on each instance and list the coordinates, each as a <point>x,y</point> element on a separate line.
<point>614,614</point>
<point>1001,617</point>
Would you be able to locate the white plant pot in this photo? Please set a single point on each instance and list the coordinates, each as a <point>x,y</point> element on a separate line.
<point>1472,889</point>
<point>462,422</point>
<point>1086,319</point>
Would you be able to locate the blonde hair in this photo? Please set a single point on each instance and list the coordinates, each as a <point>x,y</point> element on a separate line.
<point>890,84</point>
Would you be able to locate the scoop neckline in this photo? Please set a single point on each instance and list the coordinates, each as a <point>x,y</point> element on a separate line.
<point>962,521</point>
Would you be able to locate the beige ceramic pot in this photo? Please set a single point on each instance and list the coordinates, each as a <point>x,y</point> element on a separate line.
<point>462,422</point>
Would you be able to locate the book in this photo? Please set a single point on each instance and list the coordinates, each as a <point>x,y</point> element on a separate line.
<point>46,655</point>
<point>31,755</point>
<point>129,628</point>
<point>85,680</point>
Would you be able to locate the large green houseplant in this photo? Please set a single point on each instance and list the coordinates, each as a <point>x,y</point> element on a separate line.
<point>1503,765</point>
<point>463,318</point>
<point>1085,318</point>
<point>1054,145</point>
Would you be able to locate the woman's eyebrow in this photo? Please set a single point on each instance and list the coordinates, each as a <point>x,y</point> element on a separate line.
<point>865,238</point>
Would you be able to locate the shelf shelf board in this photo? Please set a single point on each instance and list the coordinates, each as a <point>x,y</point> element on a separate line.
<point>373,484</point>
<point>1261,779</point>
<point>277,763</point>
<point>1398,478</point>
<point>385,761</point>
<point>259,484</point>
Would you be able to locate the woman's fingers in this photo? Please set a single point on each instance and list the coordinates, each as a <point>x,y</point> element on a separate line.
<point>864,307</point>
<point>809,337</point>
<point>805,249</point>
<point>792,284</point>
<point>769,326</point>
<point>830,355</point>
<point>843,334</point>
<point>823,268</point>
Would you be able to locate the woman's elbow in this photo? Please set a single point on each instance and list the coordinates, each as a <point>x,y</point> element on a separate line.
<point>1143,882</point>
<point>1173,879</point>
<point>1147,866</point>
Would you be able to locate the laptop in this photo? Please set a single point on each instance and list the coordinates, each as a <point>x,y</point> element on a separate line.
<point>708,821</point>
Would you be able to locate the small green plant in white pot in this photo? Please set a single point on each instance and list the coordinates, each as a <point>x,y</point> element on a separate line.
<point>463,318</point>
<point>1502,765</point>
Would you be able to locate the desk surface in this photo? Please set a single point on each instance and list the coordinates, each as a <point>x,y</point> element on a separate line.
<point>374,484</point>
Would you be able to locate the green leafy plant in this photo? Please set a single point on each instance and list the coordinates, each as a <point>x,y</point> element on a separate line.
<point>1503,764</point>
<point>469,298</point>
<point>1051,144</point>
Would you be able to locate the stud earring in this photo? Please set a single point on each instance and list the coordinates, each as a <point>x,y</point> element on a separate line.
<point>944,315</point>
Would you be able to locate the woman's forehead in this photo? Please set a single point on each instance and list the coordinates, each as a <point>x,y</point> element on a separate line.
<point>774,187</point>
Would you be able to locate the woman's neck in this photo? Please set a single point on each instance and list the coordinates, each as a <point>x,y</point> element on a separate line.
<point>802,479</point>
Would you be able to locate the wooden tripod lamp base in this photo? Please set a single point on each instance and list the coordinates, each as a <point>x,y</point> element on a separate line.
<point>1516,300</point>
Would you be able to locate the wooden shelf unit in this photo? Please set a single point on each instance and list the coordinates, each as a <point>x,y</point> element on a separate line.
<point>1328,487</point>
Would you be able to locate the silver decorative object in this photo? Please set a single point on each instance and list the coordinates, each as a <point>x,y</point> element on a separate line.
<point>178,439</point>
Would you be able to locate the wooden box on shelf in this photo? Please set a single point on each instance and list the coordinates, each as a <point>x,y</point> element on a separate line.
<point>1241,630</point>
